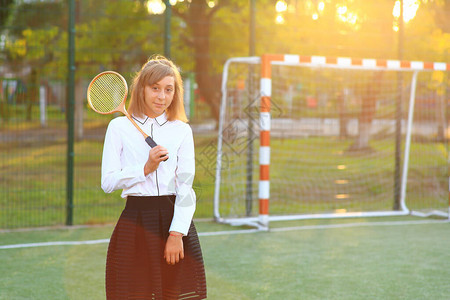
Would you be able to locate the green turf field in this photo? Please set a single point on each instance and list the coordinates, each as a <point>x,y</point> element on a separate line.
<point>378,258</point>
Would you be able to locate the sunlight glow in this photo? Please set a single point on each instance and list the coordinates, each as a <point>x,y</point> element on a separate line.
<point>155,7</point>
<point>279,19</point>
<point>347,16</point>
<point>315,8</point>
<point>410,8</point>
<point>341,10</point>
<point>281,6</point>
<point>211,4</point>
<point>321,6</point>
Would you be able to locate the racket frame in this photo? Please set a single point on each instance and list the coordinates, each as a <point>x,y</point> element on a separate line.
<point>120,107</point>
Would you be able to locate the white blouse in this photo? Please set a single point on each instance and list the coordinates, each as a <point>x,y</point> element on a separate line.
<point>125,153</point>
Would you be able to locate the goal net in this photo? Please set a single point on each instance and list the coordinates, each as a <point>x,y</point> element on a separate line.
<point>317,137</point>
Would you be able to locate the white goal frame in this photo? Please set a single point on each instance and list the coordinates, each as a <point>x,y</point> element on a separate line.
<point>262,220</point>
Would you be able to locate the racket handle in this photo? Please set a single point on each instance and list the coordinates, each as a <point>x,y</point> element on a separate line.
<point>152,144</point>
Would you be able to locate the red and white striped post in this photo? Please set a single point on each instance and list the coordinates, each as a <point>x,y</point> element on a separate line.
<point>264,150</point>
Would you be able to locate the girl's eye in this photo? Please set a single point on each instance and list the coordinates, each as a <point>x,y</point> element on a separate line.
<point>155,88</point>
<point>169,90</point>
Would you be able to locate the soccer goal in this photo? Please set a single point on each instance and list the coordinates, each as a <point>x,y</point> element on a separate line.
<point>320,137</point>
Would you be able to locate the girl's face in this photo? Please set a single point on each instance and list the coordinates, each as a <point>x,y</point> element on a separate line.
<point>159,96</point>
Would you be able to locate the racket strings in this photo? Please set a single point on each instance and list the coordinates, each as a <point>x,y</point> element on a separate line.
<point>107,92</point>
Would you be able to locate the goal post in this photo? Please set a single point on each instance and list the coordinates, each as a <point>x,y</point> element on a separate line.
<point>326,138</point>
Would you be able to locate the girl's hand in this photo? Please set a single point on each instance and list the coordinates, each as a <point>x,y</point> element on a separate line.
<point>174,251</point>
<point>155,156</point>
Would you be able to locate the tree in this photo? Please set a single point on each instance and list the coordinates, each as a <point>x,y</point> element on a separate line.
<point>441,10</point>
<point>121,35</point>
<point>27,50</point>
<point>39,39</point>
<point>199,18</point>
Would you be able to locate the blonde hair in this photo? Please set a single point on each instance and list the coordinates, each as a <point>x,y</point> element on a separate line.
<point>154,70</point>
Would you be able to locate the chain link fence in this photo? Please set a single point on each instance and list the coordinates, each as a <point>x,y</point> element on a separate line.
<point>112,35</point>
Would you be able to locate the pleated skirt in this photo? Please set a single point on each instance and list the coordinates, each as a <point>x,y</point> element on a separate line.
<point>135,264</point>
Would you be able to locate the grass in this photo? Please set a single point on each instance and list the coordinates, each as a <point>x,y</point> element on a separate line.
<point>375,261</point>
<point>304,173</point>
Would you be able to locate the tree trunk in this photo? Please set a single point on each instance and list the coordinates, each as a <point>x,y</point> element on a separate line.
<point>209,87</point>
<point>440,114</point>
<point>368,107</point>
<point>343,118</point>
<point>33,93</point>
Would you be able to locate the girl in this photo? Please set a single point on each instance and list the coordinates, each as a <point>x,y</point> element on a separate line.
<point>154,252</point>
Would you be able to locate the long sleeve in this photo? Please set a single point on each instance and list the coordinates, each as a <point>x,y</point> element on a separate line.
<point>184,177</point>
<point>114,175</point>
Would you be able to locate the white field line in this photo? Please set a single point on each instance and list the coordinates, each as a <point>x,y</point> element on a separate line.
<point>57,243</point>
<point>369,224</point>
<point>245,231</point>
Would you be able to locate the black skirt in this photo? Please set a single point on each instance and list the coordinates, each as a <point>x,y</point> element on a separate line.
<point>135,264</point>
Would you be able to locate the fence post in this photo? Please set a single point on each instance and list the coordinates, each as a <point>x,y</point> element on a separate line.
<point>70,112</point>
<point>250,137</point>
<point>398,116</point>
<point>167,29</point>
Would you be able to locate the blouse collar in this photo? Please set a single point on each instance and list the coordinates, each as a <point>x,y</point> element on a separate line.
<point>161,119</point>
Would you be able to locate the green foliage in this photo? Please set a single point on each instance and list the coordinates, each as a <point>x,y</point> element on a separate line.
<point>29,47</point>
<point>38,15</point>
<point>230,34</point>
<point>121,35</point>
<point>5,11</point>
<point>117,35</point>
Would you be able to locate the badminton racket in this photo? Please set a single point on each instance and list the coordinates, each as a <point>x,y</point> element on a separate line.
<point>107,94</point>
